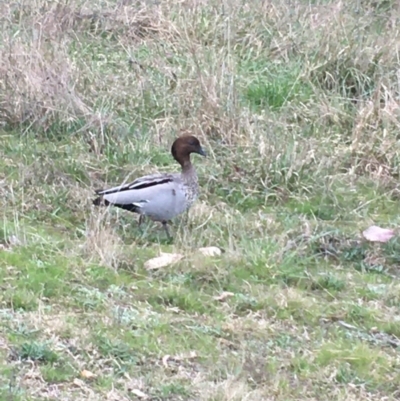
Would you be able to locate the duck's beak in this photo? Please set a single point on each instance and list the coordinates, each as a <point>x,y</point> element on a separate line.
<point>202,152</point>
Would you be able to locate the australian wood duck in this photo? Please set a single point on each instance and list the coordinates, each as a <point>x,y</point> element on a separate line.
<point>159,196</point>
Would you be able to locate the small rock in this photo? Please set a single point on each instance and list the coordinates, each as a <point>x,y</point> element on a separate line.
<point>163,260</point>
<point>139,393</point>
<point>79,382</point>
<point>224,295</point>
<point>210,251</point>
<point>13,240</point>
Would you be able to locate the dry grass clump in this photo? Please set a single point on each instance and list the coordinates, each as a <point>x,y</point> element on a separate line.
<point>42,79</point>
<point>101,244</point>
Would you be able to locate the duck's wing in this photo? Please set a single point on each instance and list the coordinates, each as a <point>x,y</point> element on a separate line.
<point>143,190</point>
<point>140,183</point>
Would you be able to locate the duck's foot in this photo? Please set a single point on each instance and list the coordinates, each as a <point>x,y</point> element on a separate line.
<point>185,218</point>
<point>141,219</point>
<point>165,226</point>
<point>140,227</point>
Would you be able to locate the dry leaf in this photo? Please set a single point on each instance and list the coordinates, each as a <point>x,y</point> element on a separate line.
<point>163,260</point>
<point>87,375</point>
<point>224,295</point>
<point>378,234</point>
<point>173,309</point>
<point>226,342</point>
<point>181,357</point>
<point>165,360</point>
<point>210,251</point>
<point>79,382</point>
<point>139,394</point>
<point>188,355</point>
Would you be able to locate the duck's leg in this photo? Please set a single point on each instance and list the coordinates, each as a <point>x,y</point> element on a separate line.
<point>142,228</point>
<point>141,218</point>
<point>165,225</point>
<point>186,217</point>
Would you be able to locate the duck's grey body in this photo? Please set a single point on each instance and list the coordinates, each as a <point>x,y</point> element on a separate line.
<point>159,196</point>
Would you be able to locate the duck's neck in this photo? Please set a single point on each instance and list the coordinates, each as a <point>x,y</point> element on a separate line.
<point>187,168</point>
<point>189,173</point>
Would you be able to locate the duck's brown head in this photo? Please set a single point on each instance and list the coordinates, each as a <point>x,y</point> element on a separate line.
<point>183,147</point>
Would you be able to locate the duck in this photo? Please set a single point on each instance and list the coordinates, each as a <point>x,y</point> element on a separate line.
<point>160,196</point>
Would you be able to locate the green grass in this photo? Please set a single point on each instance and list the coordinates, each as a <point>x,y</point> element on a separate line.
<point>297,107</point>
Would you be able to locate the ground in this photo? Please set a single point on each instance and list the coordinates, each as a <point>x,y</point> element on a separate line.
<point>297,105</point>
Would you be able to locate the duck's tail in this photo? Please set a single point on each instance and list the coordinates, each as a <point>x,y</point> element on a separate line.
<point>131,207</point>
<point>100,201</point>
